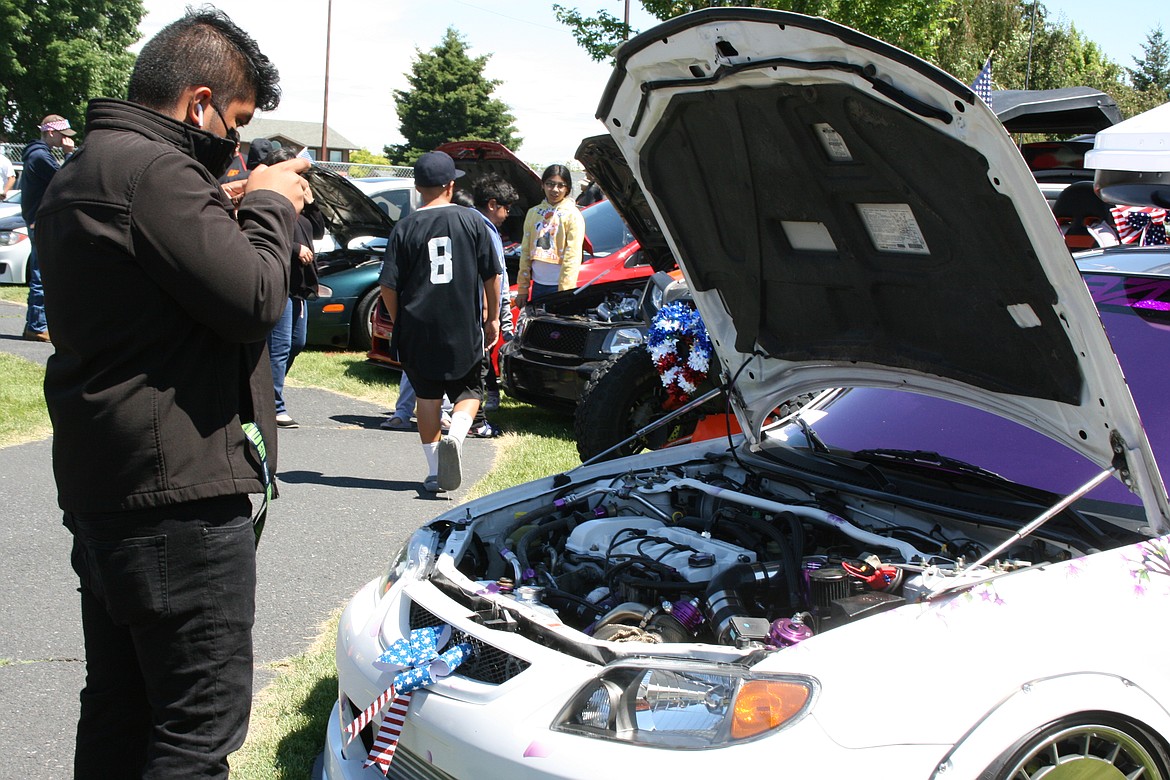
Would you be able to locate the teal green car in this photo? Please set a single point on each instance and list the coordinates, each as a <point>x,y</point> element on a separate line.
<point>359,215</point>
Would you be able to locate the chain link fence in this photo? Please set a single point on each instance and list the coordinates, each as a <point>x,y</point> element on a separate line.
<point>15,152</point>
<point>366,170</point>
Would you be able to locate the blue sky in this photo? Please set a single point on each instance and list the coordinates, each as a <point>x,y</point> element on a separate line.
<point>551,86</point>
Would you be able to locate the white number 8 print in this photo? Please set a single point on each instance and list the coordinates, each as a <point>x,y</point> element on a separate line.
<point>440,251</point>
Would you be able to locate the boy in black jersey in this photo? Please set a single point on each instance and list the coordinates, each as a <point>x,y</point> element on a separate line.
<point>438,260</point>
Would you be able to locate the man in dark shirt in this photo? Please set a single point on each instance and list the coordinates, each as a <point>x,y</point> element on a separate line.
<point>437,259</point>
<point>162,409</point>
<point>39,167</point>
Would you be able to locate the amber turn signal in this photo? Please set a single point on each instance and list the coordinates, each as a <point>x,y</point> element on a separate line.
<point>763,705</point>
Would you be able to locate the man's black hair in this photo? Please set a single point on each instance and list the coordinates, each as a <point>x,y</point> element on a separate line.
<point>492,185</point>
<point>204,48</point>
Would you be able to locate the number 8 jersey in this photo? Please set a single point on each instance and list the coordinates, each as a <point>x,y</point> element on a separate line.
<point>438,259</point>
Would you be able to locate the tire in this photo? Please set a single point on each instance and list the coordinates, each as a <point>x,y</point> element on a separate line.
<point>360,336</point>
<point>1085,746</point>
<point>624,395</point>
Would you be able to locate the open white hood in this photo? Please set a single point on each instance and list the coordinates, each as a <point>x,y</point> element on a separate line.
<point>849,215</point>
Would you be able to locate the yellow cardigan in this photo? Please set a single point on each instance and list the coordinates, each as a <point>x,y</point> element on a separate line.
<point>552,234</point>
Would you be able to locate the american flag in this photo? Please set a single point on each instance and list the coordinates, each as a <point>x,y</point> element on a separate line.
<point>981,86</point>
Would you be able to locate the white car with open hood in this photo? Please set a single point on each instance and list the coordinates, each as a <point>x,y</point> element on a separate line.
<point>953,564</point>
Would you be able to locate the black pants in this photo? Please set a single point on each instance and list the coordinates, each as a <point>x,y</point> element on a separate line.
<point>168,598</point>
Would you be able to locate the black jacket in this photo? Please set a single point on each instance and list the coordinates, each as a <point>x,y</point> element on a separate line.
<point>160,305</point>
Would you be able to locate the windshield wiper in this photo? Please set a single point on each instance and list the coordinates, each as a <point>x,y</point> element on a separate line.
<point>954,465</point>
<point>928,458</point>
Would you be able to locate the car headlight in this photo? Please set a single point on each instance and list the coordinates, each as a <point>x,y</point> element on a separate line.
<point>324,292</point>
<point>10,237</point>
<point>416,558</point>
<point>621,339</point>
<point>521,323</point>
<point>684,705</point>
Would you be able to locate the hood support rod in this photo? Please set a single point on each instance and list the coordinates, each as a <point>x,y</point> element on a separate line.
<point>1050,513</point>
<point>704,398</point>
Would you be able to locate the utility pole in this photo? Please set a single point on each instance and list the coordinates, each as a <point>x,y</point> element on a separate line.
<point>1031,40</point>
<point>325,110</point>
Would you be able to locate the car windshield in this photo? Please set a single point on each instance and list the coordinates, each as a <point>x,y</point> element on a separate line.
<point>1136,314</point>
<point>605,228</point>
<point>392,197</point>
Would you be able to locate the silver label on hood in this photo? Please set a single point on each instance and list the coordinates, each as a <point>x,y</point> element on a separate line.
<point>893,228</point>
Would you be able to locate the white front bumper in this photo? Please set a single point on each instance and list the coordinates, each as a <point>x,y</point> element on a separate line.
<point>463,728</point>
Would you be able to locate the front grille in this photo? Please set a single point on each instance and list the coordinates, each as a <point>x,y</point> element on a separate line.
<point>556,337</point>
<point>408,766</point>
<point>487,664</point>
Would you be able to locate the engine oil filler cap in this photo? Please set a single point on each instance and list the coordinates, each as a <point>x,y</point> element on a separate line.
<point>701,560</point>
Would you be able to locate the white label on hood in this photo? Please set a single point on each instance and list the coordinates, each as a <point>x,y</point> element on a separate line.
<point>892,228</point>
<point>833,143</point>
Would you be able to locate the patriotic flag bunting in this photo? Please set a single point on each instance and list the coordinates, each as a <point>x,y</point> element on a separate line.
<point>1141,225</point>
<point>981,86</point>
<point>418,664</point>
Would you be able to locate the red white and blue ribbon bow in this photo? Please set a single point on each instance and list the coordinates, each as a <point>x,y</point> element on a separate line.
<point>418,664</point>
<point>1143,225</point>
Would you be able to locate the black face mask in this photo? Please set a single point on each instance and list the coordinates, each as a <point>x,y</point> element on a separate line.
<point>213,151</point>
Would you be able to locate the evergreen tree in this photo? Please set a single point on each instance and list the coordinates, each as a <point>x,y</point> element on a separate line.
<point>56,54</point>
<point>1153,71</point>
<point>449,100</point>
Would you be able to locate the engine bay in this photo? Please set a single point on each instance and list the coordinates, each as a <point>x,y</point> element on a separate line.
<point>717,554</point>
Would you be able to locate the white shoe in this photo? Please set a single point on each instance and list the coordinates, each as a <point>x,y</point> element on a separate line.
<point>285,420</point>
<point>431,484</point>
<point>450,473</point>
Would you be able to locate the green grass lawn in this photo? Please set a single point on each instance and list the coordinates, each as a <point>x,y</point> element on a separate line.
<point>17,293</point>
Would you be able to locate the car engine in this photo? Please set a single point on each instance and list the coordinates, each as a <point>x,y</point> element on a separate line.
<point>717,554</point>
<point>618,307</point>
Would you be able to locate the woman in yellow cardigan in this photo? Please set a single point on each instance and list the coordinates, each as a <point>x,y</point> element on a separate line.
<point>550,252</point>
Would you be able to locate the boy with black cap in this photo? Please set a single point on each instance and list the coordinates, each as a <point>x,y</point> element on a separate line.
<point>438,260</point>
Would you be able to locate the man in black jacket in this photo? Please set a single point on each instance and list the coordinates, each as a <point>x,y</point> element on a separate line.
<point>161,302</point>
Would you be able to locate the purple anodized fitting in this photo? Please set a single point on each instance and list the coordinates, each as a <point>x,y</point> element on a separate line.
<point>687,613</point>
<point>788,631</point>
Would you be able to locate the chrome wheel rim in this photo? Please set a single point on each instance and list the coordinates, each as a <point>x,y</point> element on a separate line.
<point>1087,752</point>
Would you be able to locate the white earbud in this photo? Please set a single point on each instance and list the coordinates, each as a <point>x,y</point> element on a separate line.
<point>199,114</point>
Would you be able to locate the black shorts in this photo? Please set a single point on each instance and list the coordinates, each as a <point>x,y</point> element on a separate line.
<point>456,390</point>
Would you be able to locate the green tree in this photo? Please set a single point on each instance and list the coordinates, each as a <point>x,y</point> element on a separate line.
<point>1153,71</point>
<point>449,100</point>
<point>914,25</point>
<point>56,54</point>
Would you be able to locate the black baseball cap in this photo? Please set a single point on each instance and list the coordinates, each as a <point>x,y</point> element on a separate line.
<point>435,169</point>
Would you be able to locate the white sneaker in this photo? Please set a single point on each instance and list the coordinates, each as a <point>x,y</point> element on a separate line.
<point>431,484</point>
<point>285,420</point>
<point>491,401</point>
<point>450,473</point>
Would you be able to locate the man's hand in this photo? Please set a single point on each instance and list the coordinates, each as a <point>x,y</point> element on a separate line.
<point>283,178</point>
<point>491,333</point>
<point>235,191</point>
<point>67,144</point>
<point>306,255</point>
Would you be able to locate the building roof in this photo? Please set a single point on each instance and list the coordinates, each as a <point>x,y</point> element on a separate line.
<point>303,133</point>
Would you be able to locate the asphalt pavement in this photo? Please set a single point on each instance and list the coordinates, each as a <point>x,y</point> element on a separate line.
<point>350,494</point>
